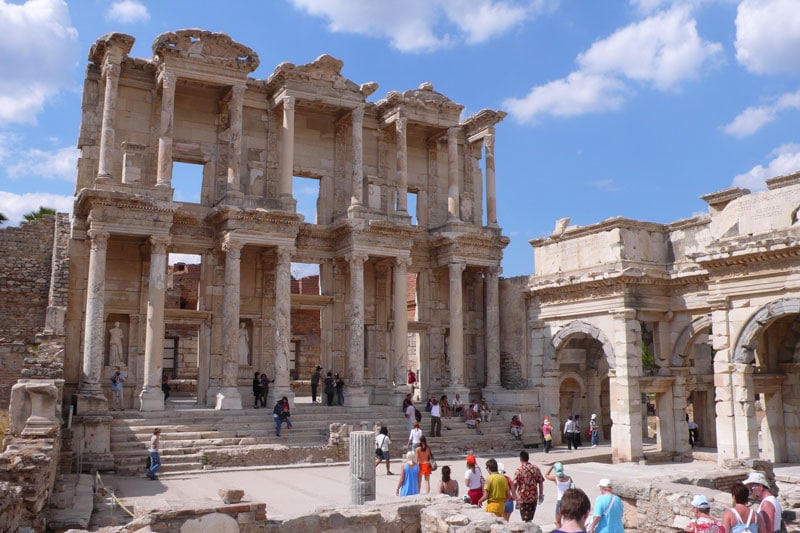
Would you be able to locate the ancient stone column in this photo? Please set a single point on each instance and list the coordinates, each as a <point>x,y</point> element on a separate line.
<point>455,346</point>
<point>235,142</point>
<point>492,280</point>
<point>491,184</point>
<point>229,397</point>
<point>283,322</point>
<point>400,311</point>
<point>151,396</point>
<point>287,154</point>
<point>357,194</point>
<point>626,400</point>
<point>727,447</point>
<point>453,195</point>
<point>111,72</point>
<point>356,396</point>
<point>401,125</point>
<point>168,81</point>
<point>362,467</point>
<point>744,413</point>
<point>94,332</point>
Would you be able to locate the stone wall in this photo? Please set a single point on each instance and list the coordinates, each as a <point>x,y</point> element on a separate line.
<point>12,355</point>
<point>27,466</point>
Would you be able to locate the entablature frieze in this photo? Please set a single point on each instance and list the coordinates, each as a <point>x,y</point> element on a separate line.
<point>755,253</point>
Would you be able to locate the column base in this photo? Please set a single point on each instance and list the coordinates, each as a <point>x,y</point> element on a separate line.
<point>460,389</point>
<point>151,400</point>
<point>228,398</point>
<point>288,203</point>
<point>356,397</point>
<point>276,393</point>
<point>90,402</point>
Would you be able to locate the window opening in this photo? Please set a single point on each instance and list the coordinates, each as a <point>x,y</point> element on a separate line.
<point>187,181</point>
<point>183,281</point>
<point>411,200</point>
<point>306,193</point>
<point>294,347</point>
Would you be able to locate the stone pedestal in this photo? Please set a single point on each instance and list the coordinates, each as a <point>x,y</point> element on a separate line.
<point>42,421</point>
<point>228,398</point>
<point>151,399</point>
<point>90,403</point>
<point>356,397</point>
<point>362,467</point>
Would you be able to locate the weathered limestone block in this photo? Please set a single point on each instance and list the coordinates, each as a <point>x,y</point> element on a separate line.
<point>231,495</point>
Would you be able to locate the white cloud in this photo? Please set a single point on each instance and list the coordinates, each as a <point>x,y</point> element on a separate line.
<point>606,185</point>
<point>33,74</point>
<point>785,160</point>
<point>425,25</point>
<point>664,50</point>
<point>128,12</point>
<point>768,36</point>
<point>577,94</point>
<point>14,206</point>
<point>57,164</point>
<point>753,119</point>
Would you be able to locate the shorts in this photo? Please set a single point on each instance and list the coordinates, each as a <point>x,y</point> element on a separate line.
<point>509,506</point>
<point>527,510</point>
<point>424,469</point>
<point>475,495</point>
<point>385,455</point>
<point>496,508</point>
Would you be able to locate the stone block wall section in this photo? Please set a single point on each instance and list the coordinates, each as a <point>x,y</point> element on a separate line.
<point>29,467</point>
<point>12,355</point>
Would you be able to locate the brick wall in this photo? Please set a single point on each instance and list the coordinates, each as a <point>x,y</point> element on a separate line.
<point>12,355</point>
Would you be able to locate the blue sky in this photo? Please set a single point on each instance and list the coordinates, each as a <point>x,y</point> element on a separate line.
<point>616,108</point>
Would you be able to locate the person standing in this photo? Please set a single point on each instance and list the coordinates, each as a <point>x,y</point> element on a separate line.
<point>117,399</point>
<point>414,437</point>
<point>410,414</point>
<point>608,511</point>
<point>595,429</point>
<point>165,385</point>
<point>547,434</point>
<point>473,479</point>
<point>512,495</point>
<point>576,432</point>
<point>339,389</point>
<point>741,517</point>
<point>155,458</point>
<point>436,419</point>
<point>495,490</point>
<point>382,442</point>
<point>408,484</point>
<point>529,484</point>
<point>265,388</point>
<point>769,507</point>
<point>412,381</point>
<point>424,457</point>
<point>257,391</point>
<point>315,383</point>
<point>563,483</point>
<point>329,388</point>
<point>694,429</point>
<point>281,414</point>
<point>569,430</point>
<point>703,522</point>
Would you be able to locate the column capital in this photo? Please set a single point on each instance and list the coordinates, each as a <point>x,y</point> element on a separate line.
<point>488,141</point>
<point>401,123</point>
<point>494,271</point>
<point>237,91</point>
<point>718,303</point>
<point>98,238</point>
<point>284,253</point>
<point>110,67</point>
<point>159,243</point>
<point>167,79</point>
<point>457,267</point>
<point>356,258</point>
<point>232,247</point>
<point>288,103</point>
<point>623,314</point>
<point>403,261</point>
<point>452,133</point>
<point>358,112</point>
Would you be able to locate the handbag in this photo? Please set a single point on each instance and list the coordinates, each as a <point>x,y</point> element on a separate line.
<point>379,449</point>
<point>433,464</point>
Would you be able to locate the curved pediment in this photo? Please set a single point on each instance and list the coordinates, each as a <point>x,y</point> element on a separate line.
<point>325,70</point>
<point>200,46</point>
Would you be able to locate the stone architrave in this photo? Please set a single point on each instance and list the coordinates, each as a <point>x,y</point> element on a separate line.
<point>283,323</point>
<point>151,397</point>
<point>90,389</point>
<point>229,396</point>
<point>362,467</point>
<point>355,395</point>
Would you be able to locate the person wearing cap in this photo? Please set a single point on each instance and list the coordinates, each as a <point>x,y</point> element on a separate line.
<point>495,491</point>
<point>473,479</point>
<point>608,508</point>
<point>594,428</point>
<point>529,486</point>
<point>703,521</point>
<point>315,383</point>
<point>769,507</point>
<point>741,517</point>
<point>563,482</point>
<point>547,434</point>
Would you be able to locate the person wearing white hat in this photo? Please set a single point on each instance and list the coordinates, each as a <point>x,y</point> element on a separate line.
<point>769,507</point>
<point>607,513</point>
<point>594,428</point>
<point>512,495</point>
<point>703,521</point>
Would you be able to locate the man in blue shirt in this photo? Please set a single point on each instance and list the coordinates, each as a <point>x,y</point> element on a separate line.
<point>607,514</point>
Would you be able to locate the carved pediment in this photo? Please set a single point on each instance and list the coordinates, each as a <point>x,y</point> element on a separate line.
<point>420,101</point>
<point>202,46</point>
<point>325,69</point>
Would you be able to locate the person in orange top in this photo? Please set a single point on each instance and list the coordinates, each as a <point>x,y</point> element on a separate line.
<point>424,456</point>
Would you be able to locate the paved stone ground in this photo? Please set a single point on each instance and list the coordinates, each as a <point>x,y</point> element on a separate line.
<point>297,490</point>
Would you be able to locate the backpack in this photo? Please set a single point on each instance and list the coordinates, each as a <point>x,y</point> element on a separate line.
<point>417,415</point>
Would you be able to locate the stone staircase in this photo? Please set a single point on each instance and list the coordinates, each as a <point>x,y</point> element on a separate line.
<point>186,432</point>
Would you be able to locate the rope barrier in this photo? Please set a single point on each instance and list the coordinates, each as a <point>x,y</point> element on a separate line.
<point>105,490</point>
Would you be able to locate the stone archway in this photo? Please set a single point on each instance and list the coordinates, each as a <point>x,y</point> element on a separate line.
<point>767,353</point>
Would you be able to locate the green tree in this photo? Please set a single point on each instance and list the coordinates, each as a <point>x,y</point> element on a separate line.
<point>3,218</point>
<point>36,215</point>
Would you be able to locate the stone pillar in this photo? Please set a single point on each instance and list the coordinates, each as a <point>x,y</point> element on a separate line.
<point>453,194</point>
<point>287,154</point>
<point>357,194</point>
<point>550,400</point>
<point>151,396</point>
<point>679,425</point>
<point>667,435</point>
<point>168,81</point>
<point>283,327</point>
<point>791,404</point>
<point>357,397</point>
<point>744,411</point>
<point>492,309</point>
<point>400,311</point>
<point>90,393</point>
<point>229,397</point>
<point>362,467</point>
<point>491,184</point>
<point>727,447</point>
<point>235,141</point>
<point>111,72</point>
<point>626,400</point>
<point>455,345</point>
<point>401,125</point>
